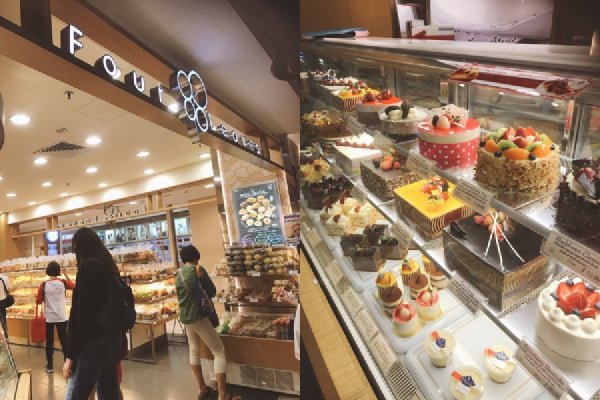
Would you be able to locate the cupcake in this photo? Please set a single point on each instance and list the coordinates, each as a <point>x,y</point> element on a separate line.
<point>428,304</point>
<point>439,346</point>
<point>438,279</point>
<point>406,322</point>
<point>409,268</point>
<point>417,282</point>
<point>390,295</point>
<point>466,383</point>
<point>499,363</point>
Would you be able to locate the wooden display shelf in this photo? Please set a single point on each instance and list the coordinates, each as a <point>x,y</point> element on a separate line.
<point>153,301</point>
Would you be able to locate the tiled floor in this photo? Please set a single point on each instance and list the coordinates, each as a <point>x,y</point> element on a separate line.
<point>169,379</point>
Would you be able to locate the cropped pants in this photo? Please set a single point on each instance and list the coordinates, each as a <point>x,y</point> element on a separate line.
<point>202,330</point>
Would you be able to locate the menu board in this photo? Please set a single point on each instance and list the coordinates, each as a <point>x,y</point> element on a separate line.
<point>258,214</point>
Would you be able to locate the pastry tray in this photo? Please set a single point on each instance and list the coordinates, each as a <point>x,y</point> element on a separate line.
<point>473,335</point>
<point>452,310</point>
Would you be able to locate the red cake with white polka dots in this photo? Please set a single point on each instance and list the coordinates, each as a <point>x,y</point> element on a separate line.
<point>451,139</point>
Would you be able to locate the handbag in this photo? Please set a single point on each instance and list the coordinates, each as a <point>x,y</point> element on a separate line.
<point>206,308</point>
<point>38,327</point>
<point>9,300</point>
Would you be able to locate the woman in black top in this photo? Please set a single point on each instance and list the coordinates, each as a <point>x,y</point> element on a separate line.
<point>92,353</point>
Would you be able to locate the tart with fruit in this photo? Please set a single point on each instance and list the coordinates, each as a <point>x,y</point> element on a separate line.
<point>383,174</point>
<point>324,124</point>
<point>401,122</point>
<point>408,270</point>
<point>518,160</point>
<point>450,138</point>
<point>374,103</point>
<point>348,99</point>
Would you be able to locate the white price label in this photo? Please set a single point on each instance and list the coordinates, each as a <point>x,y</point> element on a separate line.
<point>474,195</point>
<point>366,325</point>
<point>542,370</point>
<point>466,293</point>
<point>419,164</point>
<point>256,273</point>
<point>383,354</point>
<point>403,233</point>
<point>359,194</point>
<point>577,257</point>
<point>354,127</point>
<point>382,141</point>
<point>352,302</point>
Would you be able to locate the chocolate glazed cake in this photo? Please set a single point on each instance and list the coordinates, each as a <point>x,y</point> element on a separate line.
<point>578,208</point>
<point>473,250</point>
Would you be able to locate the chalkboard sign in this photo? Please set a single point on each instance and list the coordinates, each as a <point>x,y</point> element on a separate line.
<point>258,214</point>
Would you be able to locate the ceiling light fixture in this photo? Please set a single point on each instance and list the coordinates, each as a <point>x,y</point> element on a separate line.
<point>133,203</point>
<point>143,153</point>
<point>148,171</point>
<point>64,194</point>
<point>31,203</point>
<point>40,161</point>
<point>204,156</point>
<point>102,184</point>
<point>173,107</point>
<point>93,140</point>
<point>20,119</point>
<point>78,214</point>
<point>1,178</point>
<point>91,170</point>
<point>11,194</point>
<point>47,184</point>
<point>209,185</point>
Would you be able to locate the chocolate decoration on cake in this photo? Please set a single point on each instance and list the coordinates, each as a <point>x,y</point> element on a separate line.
<point>391,108</point>
<point>405,107</point>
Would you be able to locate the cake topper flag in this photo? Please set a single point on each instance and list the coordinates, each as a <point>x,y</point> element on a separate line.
<point>496,230</point>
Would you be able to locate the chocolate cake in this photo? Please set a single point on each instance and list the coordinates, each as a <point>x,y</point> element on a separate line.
<point>349,243</point>
<point>382,182</point>
<point>504,280</point>
<point>367,259</point>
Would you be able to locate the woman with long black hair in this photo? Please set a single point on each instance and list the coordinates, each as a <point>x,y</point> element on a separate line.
<point>92,352</point>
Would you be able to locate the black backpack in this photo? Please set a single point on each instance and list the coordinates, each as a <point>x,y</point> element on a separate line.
<point>118,315</point>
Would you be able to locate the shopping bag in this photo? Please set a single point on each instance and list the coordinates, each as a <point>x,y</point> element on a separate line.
<point>38,327</point>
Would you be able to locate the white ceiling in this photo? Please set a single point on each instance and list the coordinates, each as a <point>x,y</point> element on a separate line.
<point>25,90</point>
<point>209,36</point>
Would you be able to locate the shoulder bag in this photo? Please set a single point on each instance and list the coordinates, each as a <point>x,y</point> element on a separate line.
<point>9,300</point>
<point>206,308</point>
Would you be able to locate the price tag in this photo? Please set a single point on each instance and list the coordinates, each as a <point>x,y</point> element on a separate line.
<point>352,302</point>
<point>403,233</point>
<point>542,370</point>
<point>256,273</point>
<point>466,293</point>
<point>366,325</point>
<point>354,127</point>
<point>419,164</point>
<point>359,194</point>
<point>382,141</point>
<point>474,195</point>
<point>383,354</point>
<point>574,255</point>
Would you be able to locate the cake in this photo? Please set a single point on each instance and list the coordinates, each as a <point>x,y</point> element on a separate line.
<point>350,152</point>
<point>466,383</point>
<point>314,170</point>
<point>390,295</point>
<point>348,99</point>
<point>317,194</point>
<point>367,258</point>
<point>428,304</point>
<point>382,175</point>
<point>408,270</point>
<point>346,204</point>
<point>390,248</point>
<point>438,279</point>
<point>450,138</point>
<point>568,319</point>
<point>361,215</point>
<point>350,242</point>
<point>430,205</point>
<point>417,283</point>
<point>520,160</point>
<point>338,225</point>
<point>374,103</point>
<point>405,320</point>
<point>499,256</point>
<point>439,346</point>
<point>578,206</point>
<point>323,123</point>
<point>401,123</point>
<point>373,232</point>
<point>329,211</point>
<point>499,362</point>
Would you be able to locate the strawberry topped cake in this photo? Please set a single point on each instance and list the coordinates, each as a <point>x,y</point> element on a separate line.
<point>568,319</point>
<point>373,103</point>
<point>518,160</point>
<point>450,138</point>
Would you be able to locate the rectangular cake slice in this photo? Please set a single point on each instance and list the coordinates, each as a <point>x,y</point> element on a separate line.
<point>382,183</point>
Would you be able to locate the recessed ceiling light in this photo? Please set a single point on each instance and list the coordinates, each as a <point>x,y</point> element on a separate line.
<point>173,107</point>
<point>1,178</point>
<point>93,140</point>
<point>31,203</point>
<point>11,194</point>
<point>20,119</point>
<point>64,194</point>
<point>204,156</point>
<point>209,185</point>
<point>133,203</point>
<point>148,171</point>
<point>40,161</point>
<point>78,214</point>
<point>102,184</point>
<point>47,184</point>
<point>91,170</point>
<point>143,153</point>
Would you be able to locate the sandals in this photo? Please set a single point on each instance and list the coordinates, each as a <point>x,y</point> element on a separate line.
<point>205,394</point>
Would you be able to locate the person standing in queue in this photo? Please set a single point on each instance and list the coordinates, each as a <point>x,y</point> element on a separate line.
<point>92,352</point>
<point>53,294</point>
<point>4,288</point>
<point>198,327</point>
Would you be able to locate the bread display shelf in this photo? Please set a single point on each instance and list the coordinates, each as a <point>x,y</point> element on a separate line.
<point>153,300</point>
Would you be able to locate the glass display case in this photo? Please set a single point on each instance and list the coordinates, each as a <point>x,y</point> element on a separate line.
<point>9,377</point>
<point>480,182</point>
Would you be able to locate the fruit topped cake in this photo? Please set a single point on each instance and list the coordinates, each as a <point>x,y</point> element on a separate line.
<point>373,103</point>
<point>347,99</point>
<point>518,160</point>
<point>401,122</point>
<point>450,138</point>
<point>578,208</point>
<point>568,319</point>
<point>314,170</point>
<point>324,124</point>
<point>383,174</point>
<point>350,152</point>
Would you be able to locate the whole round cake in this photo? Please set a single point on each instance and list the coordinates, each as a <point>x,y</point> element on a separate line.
<point>324,124</point>
<point>450,138</point>
<point>402,122</point>
<point>373,103</point>
<point>518,160</point>
<point>568,319</point>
